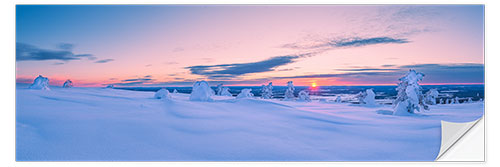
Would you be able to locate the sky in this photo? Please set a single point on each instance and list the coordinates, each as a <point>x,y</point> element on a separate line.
<point>175,45</point>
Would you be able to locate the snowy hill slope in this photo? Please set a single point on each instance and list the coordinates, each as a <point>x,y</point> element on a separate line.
<point>95,124</point>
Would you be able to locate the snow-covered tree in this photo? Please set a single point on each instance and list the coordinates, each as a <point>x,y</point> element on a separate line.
<point>366,97</point>
<point>448,101</point>
<point>110,86</point>
<point>201,92</point>
<point>304,96</point>
<point>370,97</point>
<point>430,96</point>
<point>289,91</point>
<point>338,99</point>
<point>175,91</point>
<point>245,93</point>
<point>218,91</point>
<point>410,97</point>
<point>267,91</point>
<point>162,94</point>
<point>469,100</point>
<point>68,84</point>
<point>41,83</point>
<point>441,101</point>
<point>456,101</point>
<point>225,92</point>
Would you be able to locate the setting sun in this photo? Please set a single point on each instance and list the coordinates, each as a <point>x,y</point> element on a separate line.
<point>313,85</point>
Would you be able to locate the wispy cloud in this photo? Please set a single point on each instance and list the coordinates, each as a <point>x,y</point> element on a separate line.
<point>26,52</point>
<point>104,61</point>
<point>347,42</point>
<point>238,69</point>
<point>135,81</point>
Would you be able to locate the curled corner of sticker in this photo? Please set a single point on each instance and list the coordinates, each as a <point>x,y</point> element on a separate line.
<point>451,133</point>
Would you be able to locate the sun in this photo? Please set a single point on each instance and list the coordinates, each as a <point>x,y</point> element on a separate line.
<point>314,84</point>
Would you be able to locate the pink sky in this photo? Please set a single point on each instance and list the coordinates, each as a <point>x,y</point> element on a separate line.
<point>159,44</point>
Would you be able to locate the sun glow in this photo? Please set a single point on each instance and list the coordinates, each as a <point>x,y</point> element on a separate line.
<point>314,85</point>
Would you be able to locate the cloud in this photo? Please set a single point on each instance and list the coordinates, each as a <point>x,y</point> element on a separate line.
<point>368,69</point>
<point>104,61</point>
<point>26,52</point>
<point>357,42</point>
<point>434,73</point>
<point>238,69</point>
<point>135,81</point>
<point>66,46</point>
<point>347,42</point>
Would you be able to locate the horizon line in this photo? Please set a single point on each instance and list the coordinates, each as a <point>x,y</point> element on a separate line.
<point>253,85</point>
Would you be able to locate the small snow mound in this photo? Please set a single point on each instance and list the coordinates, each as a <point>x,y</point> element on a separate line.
<point>68,84</point>
<point>245,93</point>
<point>225,92</point>
<point>201,92</point>
<point>304,96</point>
<point>41,83</point>
<point>162,94</point>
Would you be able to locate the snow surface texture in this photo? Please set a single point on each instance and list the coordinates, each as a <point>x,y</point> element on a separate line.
<point>245,93</point>
<point>201,92</point>
<point>41,83</point>
<point>162,94</point>
<point>93,124</point>
<point>68,84</point>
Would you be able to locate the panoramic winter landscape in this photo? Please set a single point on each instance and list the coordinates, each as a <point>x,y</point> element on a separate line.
<point>197,83</point>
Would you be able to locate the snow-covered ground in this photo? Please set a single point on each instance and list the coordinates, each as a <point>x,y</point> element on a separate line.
<point>97,124</point>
